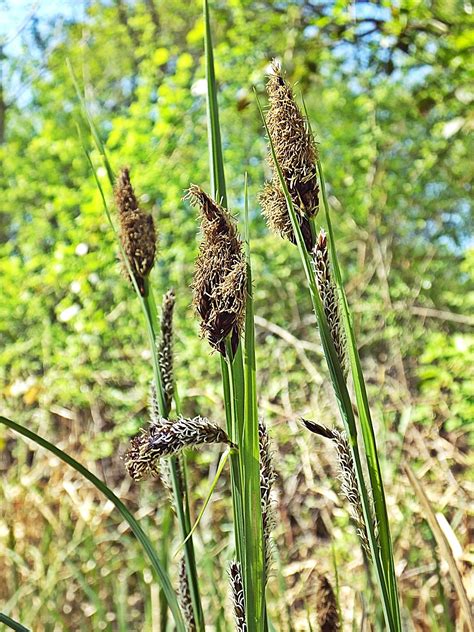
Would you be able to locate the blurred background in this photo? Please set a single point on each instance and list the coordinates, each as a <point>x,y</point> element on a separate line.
<point>389,91</point>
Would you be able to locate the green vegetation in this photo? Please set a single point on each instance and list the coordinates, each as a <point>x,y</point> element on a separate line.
<point>387,92</point>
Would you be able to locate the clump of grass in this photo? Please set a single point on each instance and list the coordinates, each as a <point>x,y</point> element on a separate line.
<point>379,542</point>
<point>222,291</point>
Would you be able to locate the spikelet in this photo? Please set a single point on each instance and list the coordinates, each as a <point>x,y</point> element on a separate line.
<point>275,211</point>
<point>329,299</point>
<point>137,231</point>
<point>237,594</point>
<point>167,439</point>
<point>220,278</point>
<point>326,606</point>
<point>296,155</point>
<point>165,347</point>
<point>347,477</point>
<point>267,478</point>
<point>154,408</point>
<point>184,597</point>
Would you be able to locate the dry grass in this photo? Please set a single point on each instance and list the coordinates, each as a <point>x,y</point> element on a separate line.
<point>70,548</point>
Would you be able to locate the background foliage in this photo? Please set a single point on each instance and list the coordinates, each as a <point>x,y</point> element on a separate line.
<point>388,90</point>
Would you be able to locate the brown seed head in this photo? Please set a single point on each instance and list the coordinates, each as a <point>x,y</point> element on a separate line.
<point>137,230</point>
<point>165,347</point>
<point>275,210</point>
<point>184,597</point>
<point>168,438</point>
<point>296,154</point>
<point>326,606</point>
<point>329,299</point>
<point>238,597</point>
<point>347,477</point>
<point>267,479</point>
<point>220,278</point>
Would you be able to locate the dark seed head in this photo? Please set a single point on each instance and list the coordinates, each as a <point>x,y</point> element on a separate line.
<point>296,154</point>
<point>220,278</point>
<point>137,230</point>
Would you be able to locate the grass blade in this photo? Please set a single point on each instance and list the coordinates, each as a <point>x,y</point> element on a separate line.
<point>368,434</point>
<point>216,157</point>
<point>14,625</point>
<point>220,467</point>
<point>250,452</point>
<point>141,536</point>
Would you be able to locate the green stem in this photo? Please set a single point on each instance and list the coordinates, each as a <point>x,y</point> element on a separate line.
<point>14,625</point>
<point>231,420</point>
<point>368,434</point>
<point>180,493</point>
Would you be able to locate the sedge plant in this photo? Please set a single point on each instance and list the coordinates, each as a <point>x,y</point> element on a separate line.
<point>223,299</point>
<point>291,202</point>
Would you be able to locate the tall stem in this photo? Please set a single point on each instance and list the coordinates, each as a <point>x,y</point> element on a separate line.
<point>180,492</point>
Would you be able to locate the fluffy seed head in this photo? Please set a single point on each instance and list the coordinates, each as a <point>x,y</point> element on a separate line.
<point>166,439</point>
<point>296,154</point>
<point>329,299</point>
<point>165,347</point>
<point>220,278</point>
<point>326,606</point>
<point>184,597</point>
<point>137,230</point>
<point>347,477</point>
<point>275,211</point>
<point>238,598</point>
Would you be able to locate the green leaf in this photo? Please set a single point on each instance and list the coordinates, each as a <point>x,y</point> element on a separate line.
<point>250,451</point>
<point>218,187</point>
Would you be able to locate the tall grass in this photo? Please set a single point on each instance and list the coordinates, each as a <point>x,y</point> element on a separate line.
<point>239,384</point>
<point>249,571</point>
<point>382,556</point>
<point>160,573</point>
